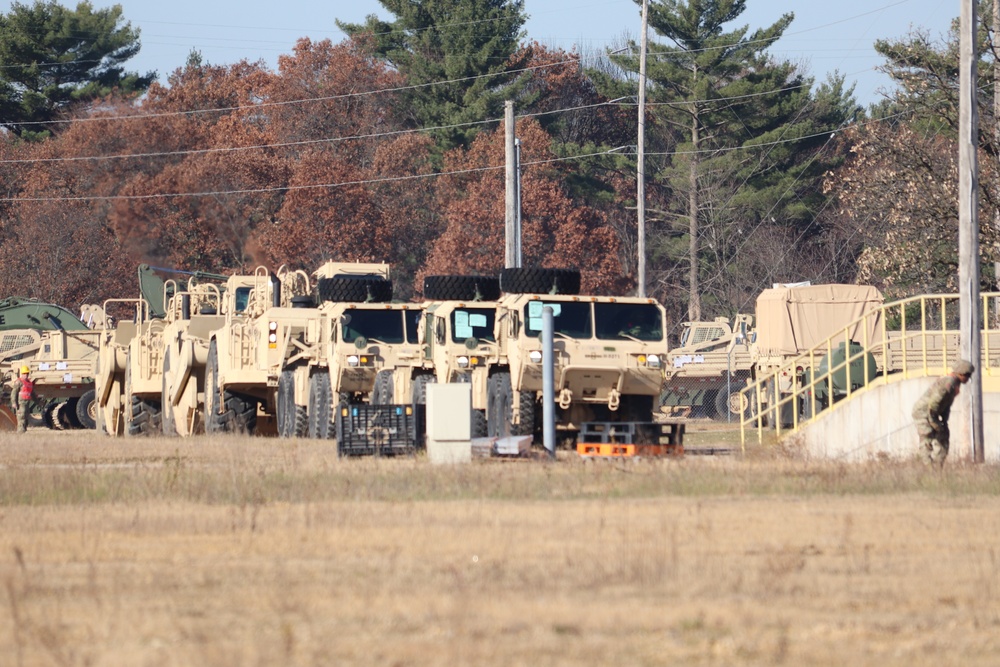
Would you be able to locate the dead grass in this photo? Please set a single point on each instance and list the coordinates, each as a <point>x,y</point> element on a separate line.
<point>239,551</point>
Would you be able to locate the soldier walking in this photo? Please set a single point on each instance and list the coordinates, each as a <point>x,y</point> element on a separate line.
<point>931,413</point>
<point>21,396</point>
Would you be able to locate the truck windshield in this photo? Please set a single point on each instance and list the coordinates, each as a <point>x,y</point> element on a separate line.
<point>624,321</point>
<point>241,298</point>
<point>388,326</point>
<point>571,318</point>
<point>472,323</point>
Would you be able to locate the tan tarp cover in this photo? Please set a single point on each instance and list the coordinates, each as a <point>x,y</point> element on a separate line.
<point>793,320</point>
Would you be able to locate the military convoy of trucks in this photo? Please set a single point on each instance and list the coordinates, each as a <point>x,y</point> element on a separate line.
<point>293,354</point>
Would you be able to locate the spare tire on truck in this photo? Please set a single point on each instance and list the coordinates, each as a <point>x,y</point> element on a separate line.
<point>355,289</point>
<point>462,288</point>
<point>540,281</point>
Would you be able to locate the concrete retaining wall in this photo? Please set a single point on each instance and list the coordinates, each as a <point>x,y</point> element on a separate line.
<point>877,424</point>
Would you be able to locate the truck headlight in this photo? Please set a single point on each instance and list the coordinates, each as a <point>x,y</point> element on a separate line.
<point>463,362</point>
<point>353,360</point>
<point>535,357</point>
<point>653,361</point>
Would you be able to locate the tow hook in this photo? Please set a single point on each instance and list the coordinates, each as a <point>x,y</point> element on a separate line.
<point>614,399</point>
<point>565,398</point>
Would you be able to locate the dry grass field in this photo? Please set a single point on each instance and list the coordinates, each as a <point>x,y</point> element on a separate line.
<point>248,551</point>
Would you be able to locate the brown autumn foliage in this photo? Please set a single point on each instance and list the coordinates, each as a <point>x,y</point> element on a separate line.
<point>897,195</point>
<point>203,232</point>
<point>354,189</point>
<point>556,232</point>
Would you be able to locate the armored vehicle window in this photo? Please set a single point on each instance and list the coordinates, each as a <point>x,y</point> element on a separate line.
<point>412,318</point>
<point>383,325</point>
<point>472,323</point>
<point>571,318</point>
<point>624,321</point>
<point>704,334</point>
<point>241,299</point>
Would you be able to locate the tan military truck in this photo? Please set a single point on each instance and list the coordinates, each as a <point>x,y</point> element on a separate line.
<point>791,320</point>
<point>61,352</point>
<point>358,334</point>
<point>249,368</point>
<point>704,374</point>
<point>608,354</point>
<point>192,314</point>
<point>459,338</point>
<point>130,379</point>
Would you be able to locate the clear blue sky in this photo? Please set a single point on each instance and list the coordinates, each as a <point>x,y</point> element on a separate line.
<point>824,37</point>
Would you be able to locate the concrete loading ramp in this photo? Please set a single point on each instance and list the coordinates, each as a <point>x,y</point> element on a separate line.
<point>876,423</point>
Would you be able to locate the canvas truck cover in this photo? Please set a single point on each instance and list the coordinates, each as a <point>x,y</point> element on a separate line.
<point>793,320</point>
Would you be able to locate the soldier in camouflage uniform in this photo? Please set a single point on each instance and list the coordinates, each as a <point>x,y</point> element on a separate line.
<point>931,413</point>
<point>21,395</point>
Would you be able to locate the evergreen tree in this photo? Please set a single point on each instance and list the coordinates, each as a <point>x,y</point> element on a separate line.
<point>460,56</point>
<point>52,57</point>
<point>731,144</point>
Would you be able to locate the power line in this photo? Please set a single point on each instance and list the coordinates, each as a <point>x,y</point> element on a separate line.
<point>285,188</point>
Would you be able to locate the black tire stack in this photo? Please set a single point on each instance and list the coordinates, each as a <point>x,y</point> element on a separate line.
<point>354,289</point>
<point>540,281</point>
<point>461,288</point>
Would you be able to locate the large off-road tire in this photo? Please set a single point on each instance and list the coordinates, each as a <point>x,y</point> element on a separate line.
<point>477,419</point>
<point>47,415</point>
<point>420,383</point>
<point>361,289</point>
<point>500,408</point>
<point>59,420</point>
<point>214,421</point>
<point>479,427</point>
<point>522,280</point>
<point>225,411</point>
<point>292,418</point>
<point>70,412</point>
<point>462,288</point>
<point>383,392</point>
<point>86,409</point>
<point>731,406</point>
<point>320,406</point>
<point>141,417</point>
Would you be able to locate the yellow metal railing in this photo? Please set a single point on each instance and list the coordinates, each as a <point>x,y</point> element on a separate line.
<point>914,337</point>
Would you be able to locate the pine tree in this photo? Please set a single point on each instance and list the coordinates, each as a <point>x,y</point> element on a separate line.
<point>460,56</point>
<point>731,143</point>
<point>52,58</point>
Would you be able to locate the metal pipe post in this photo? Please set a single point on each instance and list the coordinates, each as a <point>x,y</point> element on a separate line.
<point>548,383</point>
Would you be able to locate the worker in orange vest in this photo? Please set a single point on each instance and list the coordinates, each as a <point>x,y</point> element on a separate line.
<point>21,396</point>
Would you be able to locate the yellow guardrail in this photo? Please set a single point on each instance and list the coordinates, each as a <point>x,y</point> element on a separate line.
<point>914,337</point>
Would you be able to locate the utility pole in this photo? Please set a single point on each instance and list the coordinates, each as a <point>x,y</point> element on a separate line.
<point>510,190</point>
<point>996,138</point>
<point>968,223</point>
<point>517,203</point>
<point>641,154</point>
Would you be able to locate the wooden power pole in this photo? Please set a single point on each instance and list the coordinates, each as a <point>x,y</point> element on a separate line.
<point>510,190</point>
<point>970,305</point>
<point>640,149</point>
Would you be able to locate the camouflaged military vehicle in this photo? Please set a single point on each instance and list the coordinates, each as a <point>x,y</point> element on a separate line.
<point>61,352</point>
<point>704,374</point>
